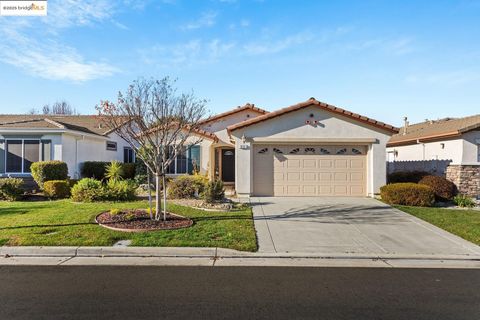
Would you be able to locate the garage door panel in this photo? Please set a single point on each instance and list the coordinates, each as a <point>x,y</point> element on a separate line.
<point>310,170</point>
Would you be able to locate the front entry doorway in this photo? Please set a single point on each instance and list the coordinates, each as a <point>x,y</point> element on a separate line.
<point>228,165</point>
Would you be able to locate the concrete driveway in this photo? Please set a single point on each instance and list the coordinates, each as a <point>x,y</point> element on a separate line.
<point>325,225</point>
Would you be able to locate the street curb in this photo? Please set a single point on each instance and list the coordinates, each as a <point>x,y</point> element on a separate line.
<point>212,253</point>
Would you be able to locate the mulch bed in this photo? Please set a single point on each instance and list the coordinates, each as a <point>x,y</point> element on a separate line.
<point>139,221</point>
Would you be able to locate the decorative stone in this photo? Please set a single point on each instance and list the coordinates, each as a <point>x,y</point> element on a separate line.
<point>466,178</point>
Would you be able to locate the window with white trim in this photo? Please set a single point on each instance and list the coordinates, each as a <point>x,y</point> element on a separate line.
<point>20,154</point>
<point>179,164</point>
<point>111,146</point>
<point>128,155</point>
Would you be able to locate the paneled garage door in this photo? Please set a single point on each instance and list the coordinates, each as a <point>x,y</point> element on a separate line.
<point>302,170</point>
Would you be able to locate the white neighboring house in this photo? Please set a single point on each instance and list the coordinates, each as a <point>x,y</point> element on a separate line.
<point>448,147</point>
<point>25,139</point>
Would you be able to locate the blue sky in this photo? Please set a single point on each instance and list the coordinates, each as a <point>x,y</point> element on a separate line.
<point>384,59</point>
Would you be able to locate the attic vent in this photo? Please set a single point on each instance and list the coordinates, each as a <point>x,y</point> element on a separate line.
<point>100,126</point>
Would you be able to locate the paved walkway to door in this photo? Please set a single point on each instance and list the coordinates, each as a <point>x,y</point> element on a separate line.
<point>324,225</point>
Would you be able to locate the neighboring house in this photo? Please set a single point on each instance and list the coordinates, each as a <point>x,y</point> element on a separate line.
<point>25,139</point>
<point>308,149</point>
<point>448,147</point>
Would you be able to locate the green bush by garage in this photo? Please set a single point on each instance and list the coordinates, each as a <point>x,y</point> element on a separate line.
<point>408,194</point>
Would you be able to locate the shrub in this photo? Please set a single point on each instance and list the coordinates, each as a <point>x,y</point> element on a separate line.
<point>114,212</point>
<point>88,190</point>
<point>11,189</point>
<point>464,201</point>
<point>120,190</point>
<point>214,191</point>
<point>408,194</point>
<point>114,171</point>
<point>128,170</point>
<point>444,190</point>
<point>94,169</point>
<point>186,186</point>
<point>406,176</point>
<point>48,170</point>
<point>57,189</point>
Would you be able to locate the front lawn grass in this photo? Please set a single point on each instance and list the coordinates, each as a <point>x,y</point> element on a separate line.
<point>463,223</point>
<point>65,223</point>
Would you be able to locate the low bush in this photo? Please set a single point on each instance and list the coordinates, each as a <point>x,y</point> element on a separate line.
<point>186,186</point>
<point>214,191</point>
<point>408,194</point>
<point>120,190</point>
<point>464,201</point>
<point>444,189</point>
<point>88,190</point>
<point>114,171</point>
<point>11,189</point>
<point>57,189</point>
<point>48,170</point>
<point>406,176</point>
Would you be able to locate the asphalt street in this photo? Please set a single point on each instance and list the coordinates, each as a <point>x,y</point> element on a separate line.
<point>103,292</point>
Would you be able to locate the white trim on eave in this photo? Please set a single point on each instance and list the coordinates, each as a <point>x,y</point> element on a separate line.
<point>52,131</point>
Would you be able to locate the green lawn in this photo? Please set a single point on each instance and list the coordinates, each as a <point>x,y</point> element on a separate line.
<point>463,223</point>
<point>64,223</point>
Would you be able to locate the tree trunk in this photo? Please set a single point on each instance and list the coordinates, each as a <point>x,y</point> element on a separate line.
<point>149,194</point>
<point>157,197</point>
<point>164,181</point>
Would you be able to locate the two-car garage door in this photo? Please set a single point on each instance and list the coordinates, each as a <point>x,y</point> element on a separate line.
<point>303,170</point>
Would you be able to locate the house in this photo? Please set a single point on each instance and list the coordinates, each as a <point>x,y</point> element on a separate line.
<point>308,149</point>
<point>25,139</point>
<point>448,147</point>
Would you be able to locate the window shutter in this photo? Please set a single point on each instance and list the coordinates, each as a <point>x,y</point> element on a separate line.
<point>2,156</point>
<point>46,150</point>
<point>194,158</point>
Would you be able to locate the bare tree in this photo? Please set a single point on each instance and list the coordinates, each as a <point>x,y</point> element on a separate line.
<point>32,111</point>
<point>60,107</point>
<point>157,123</point>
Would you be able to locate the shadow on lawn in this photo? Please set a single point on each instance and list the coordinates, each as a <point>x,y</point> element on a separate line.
<point>48,225</point>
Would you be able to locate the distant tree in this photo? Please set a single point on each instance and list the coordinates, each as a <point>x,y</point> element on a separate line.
<point>157,123</point>
<point>32,111</point>
<point>60,107</point>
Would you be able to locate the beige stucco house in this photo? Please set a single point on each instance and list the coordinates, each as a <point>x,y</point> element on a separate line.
<point>308,149</point>
<point>447,147</point>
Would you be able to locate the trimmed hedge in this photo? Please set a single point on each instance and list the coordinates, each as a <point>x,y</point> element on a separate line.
<point>406,176</point>
<point>408,194</point>
<point>57,189</point>
<point>48,170</point>
<point>11,189</point>
<point>98,169</point>
<point>444,190</point>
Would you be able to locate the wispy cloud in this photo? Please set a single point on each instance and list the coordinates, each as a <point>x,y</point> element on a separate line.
<point>206,19</point>
<point>395,46</point>
<point>275,46</point>
<point>186,54</point>
<point>49,58</point>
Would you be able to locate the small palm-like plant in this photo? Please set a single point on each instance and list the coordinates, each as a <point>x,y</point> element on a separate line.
<point>114,171</point>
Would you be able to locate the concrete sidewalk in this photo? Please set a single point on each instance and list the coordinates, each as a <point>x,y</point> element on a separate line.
<point>218,257</point>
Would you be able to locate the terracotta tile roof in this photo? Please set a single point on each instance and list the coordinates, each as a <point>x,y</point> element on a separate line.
<point>247,106</point>
<point>435,130</point>
<point>199,132</point>
<point>85,123</point>
<point>324,106</point>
